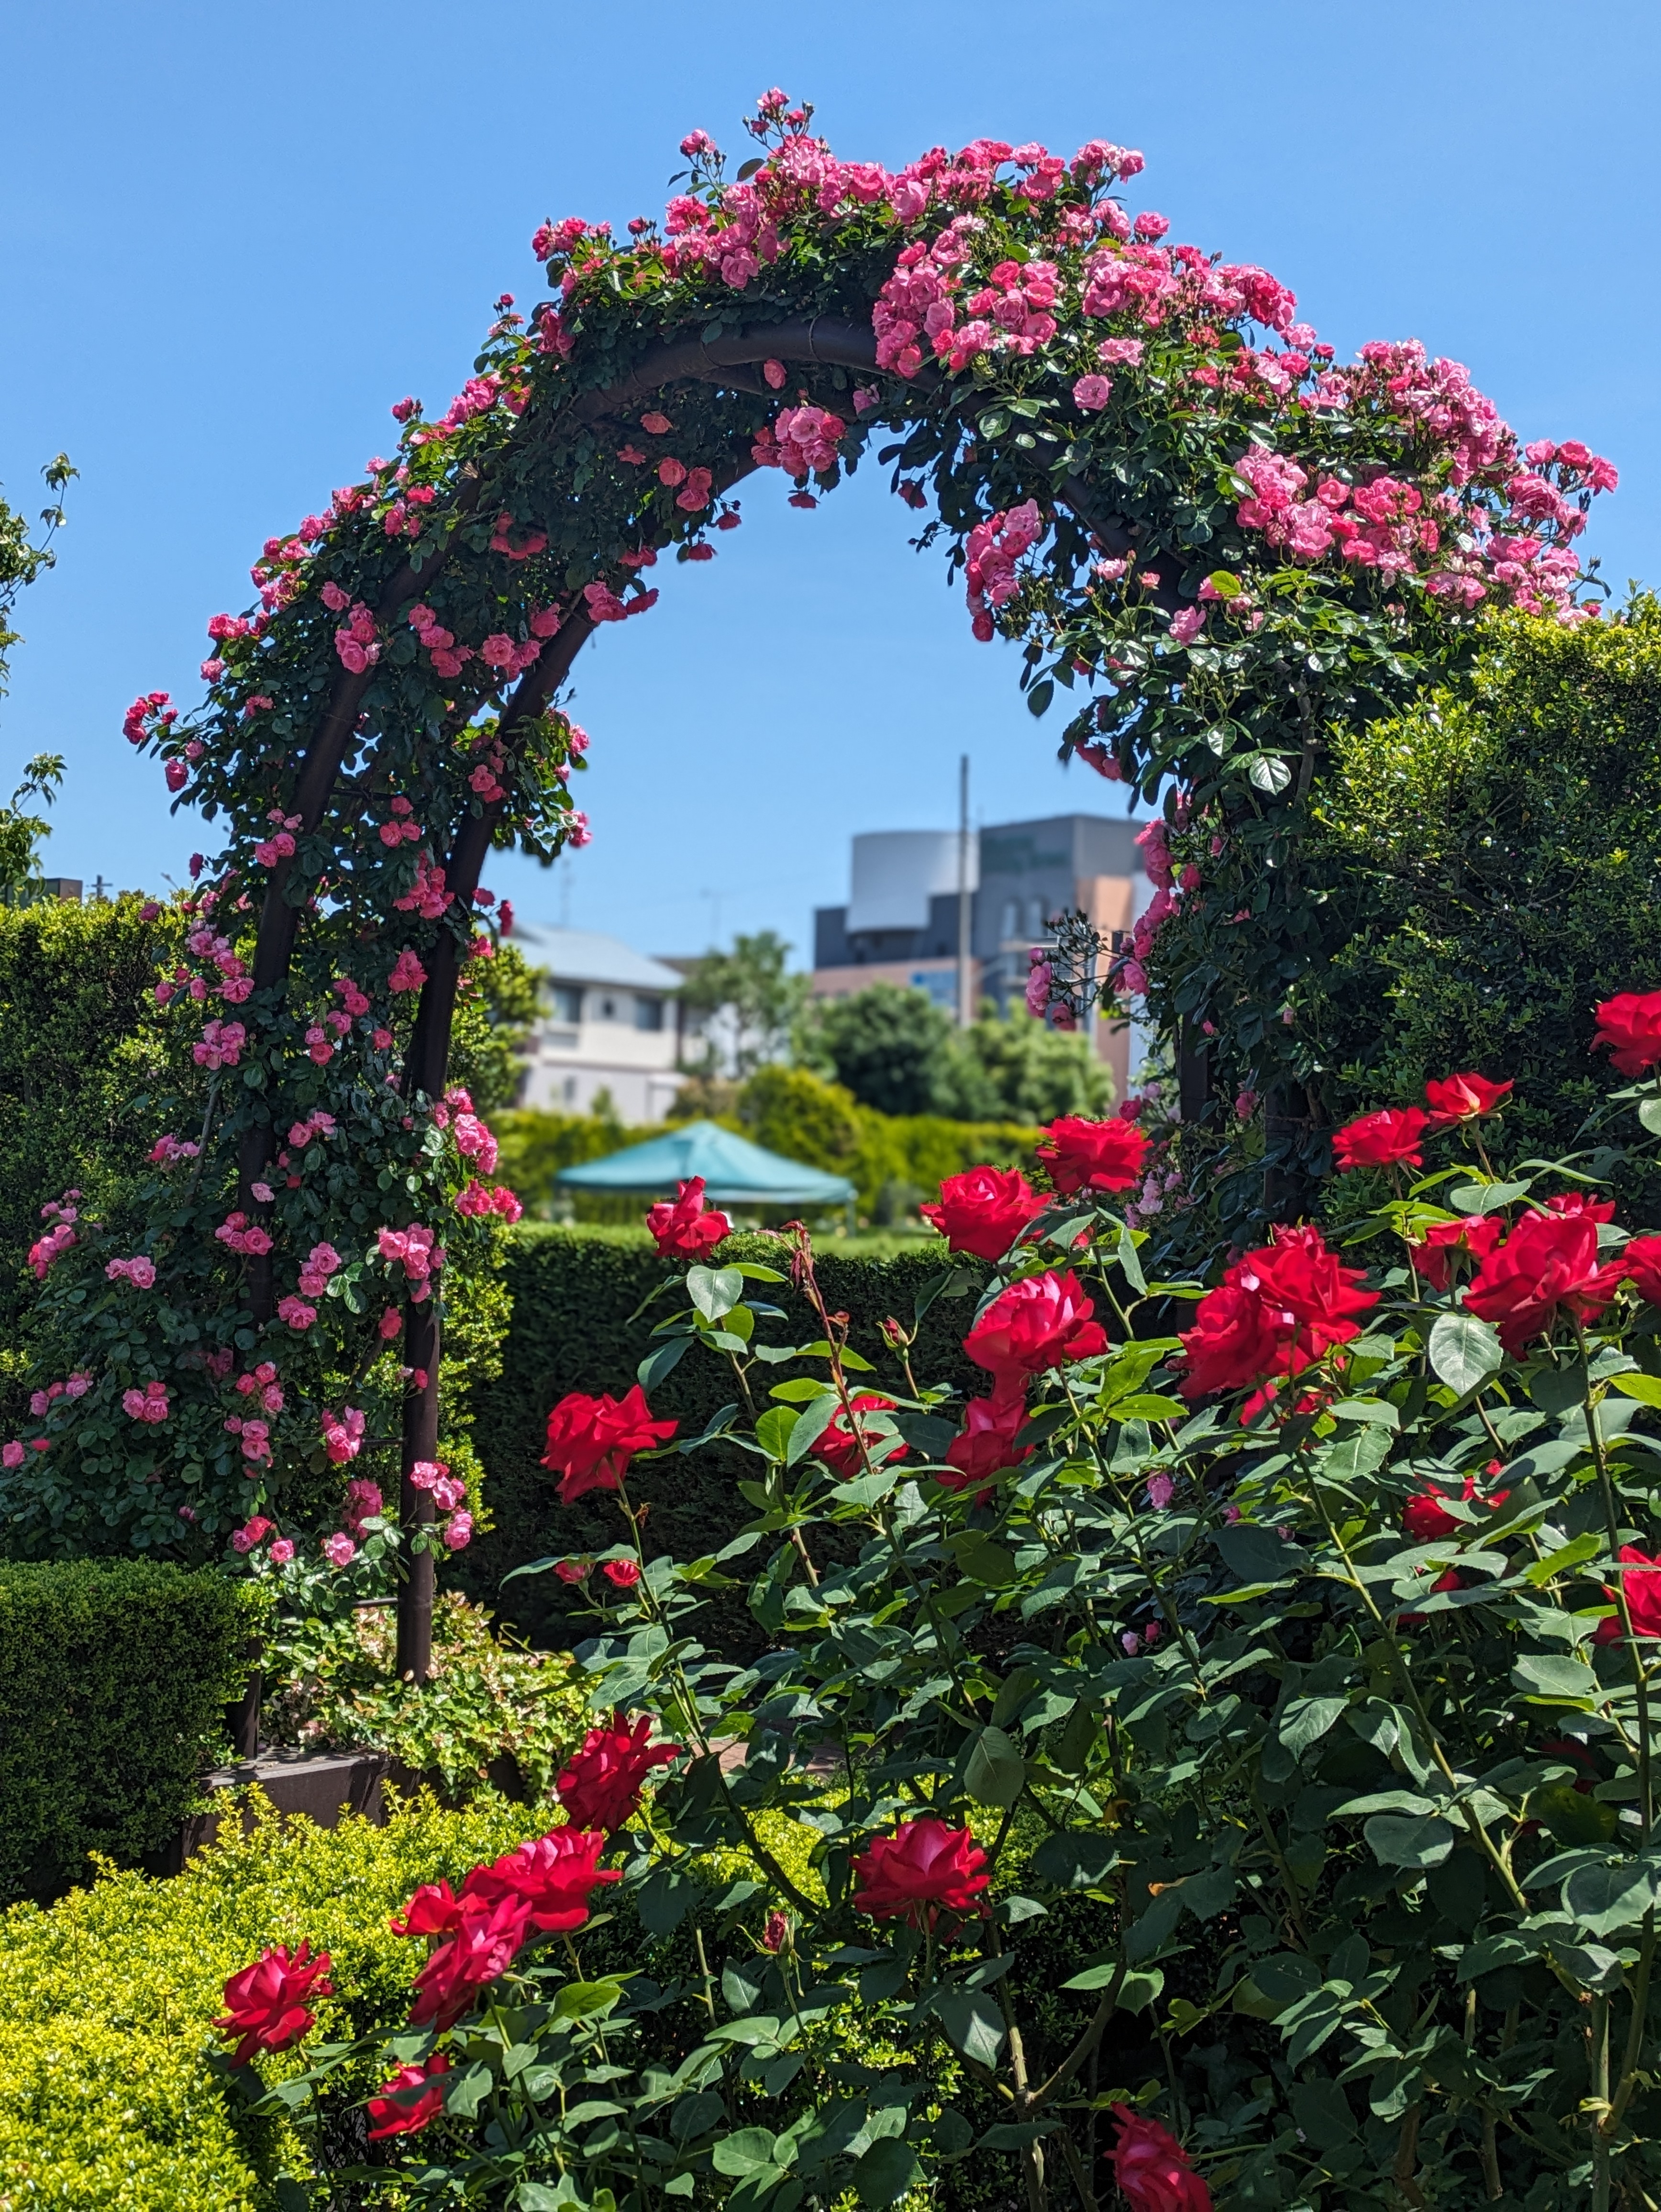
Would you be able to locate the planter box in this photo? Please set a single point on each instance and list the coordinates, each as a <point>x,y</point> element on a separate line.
<point>320,1787</point>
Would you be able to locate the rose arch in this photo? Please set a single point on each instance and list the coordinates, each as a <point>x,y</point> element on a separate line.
<point>1214,542</point>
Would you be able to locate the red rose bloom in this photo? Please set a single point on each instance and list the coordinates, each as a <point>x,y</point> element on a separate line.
<point>1642,1584</point>
<point>1478,1234</point>
<point>1546,1266</point>
<point>1463,1098</point>
<point>550,1876</point>
<point>433,1911</point>
<point>621,1574</point>
<point>1427,1520</point>
<point>486,1941</point>
<point>1276,1310</point>
<point>1084,1155</point>
<point>1574,1203</point>
<point>1640,1265</point>
<point>835,1444</point>
<point>984,1211</point>
<point>687,1229</point>
<point>601,1786</point>
<point>267,2004</point>
<point>413,2097</point>
<point>1152,2167</point>
<point>1034,1324</point>
<point>1388,1138</point>
<point>922,1869</point>
<point>591,1441</point>
<point>1630,1026</point>
<point>986,1443</point>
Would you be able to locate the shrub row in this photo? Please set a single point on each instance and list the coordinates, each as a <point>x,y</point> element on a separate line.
<point>573,1292</point>
<point>114,1676</point>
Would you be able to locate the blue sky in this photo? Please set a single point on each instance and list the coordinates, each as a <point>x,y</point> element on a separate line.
<point>234,236</point>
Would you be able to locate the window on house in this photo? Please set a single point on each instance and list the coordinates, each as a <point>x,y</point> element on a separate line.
<point>608,1009</point>
<point>648,1013</point>
<point>566,1000</point>
<point>1035,920</point>
<point>1012,919</point>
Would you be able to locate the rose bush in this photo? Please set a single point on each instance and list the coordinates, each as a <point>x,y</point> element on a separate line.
<point>1283,1651</point>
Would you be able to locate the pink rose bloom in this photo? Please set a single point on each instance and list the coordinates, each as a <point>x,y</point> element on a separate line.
<point>338,1550</point>
<point>1091,394</point>
<point>250,1533</point>
<point>281,1552</point>
<point>296,1313</point>
<point>12,1455</point>
<point>458,1532</point>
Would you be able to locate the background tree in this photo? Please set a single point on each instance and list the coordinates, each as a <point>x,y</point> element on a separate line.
<point>745,1003</point>
<point>21,562</point>
<point>888,1045</point>
<point>1495,855</point>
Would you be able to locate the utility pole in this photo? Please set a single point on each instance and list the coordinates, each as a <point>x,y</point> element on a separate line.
<point>965,988</point>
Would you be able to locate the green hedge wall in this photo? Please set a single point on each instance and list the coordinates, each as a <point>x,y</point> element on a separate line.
<point>114,1675</point>
<point>574,1290</point>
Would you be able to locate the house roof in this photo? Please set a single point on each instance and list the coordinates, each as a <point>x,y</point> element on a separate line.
<point>584,955</point>
<point>735,1171</point>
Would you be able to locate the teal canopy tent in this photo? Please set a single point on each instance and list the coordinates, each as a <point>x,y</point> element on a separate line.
<point>735,1172</point>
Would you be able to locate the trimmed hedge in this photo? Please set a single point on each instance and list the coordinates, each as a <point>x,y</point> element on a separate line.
<point>114,1676</point>
<point>574,1290</point>
<point>107,2002</point>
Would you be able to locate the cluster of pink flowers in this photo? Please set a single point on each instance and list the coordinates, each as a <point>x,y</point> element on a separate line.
<point>220,1045</point>
<point>427,896</point>
<point>604,606</point>
<point>140,1271</point>
<point>76,1386</point>
<point>321,1261</point>
<point>236,1232</point>
<point>402,828</point>
<point>447,1493</point>
<point>255,1435</point>
<point>279,846</point>
<point>414,1251</point>
<point>263,1380</point>
<point>477,1198</point>
<point>408,973</point>
<point>167,1149</point>
<point>252,1533</point>
<point>63,1213</point>
<point>474,1142</point>
<point>802,440</point>
<point>449,658</point>
<point>295,1313</point>
<point>342,1435</point>
<point>351,999</point>
<point>990,555</point>
<point>355,640</point>
<point>150,1404</point>
<point>151,715</point>
<point>317,1123</point>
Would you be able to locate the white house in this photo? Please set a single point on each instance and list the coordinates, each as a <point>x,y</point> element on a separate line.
<point>611,1023</point>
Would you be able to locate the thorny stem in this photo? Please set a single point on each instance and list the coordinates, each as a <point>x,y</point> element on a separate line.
<point>1295,1896</point>
<point>703,1967</point>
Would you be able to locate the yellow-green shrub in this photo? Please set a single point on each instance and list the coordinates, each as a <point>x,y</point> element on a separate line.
<point>108,2000</point>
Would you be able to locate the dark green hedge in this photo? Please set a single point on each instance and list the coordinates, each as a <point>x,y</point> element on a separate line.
<point>574,1290</point>
<point>114,1675</point>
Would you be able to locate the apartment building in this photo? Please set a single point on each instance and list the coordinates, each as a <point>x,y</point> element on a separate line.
<point>611,1023</point>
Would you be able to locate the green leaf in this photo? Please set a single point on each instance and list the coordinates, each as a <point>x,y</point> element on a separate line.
<point>695,2115</point>
<point>714,1290</point>
<point>1552,1678</point>
<point>586,2000</point>
<point>886,2172</point>
<point>1485,1197</point>
<point>664,1361</point>
<point>1604,1898</point>
<point>996,1772</point>
<point>745,2151</point>
<point>1649,1113</point>
<point>811,1424</point>
<point>1130,1266</point>
<point>1308,1719</point>
<point>773,1431</point>
<point>1646,1387</point>
<point>1269,773</point>
<point>1463,1351</point>
<point>972,2023</point>
<point>464,2093</point>
<point>1414,1844</point>
<point>1039,698</point>
<point>1565,1557</point>
<point>1571,1819</point>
